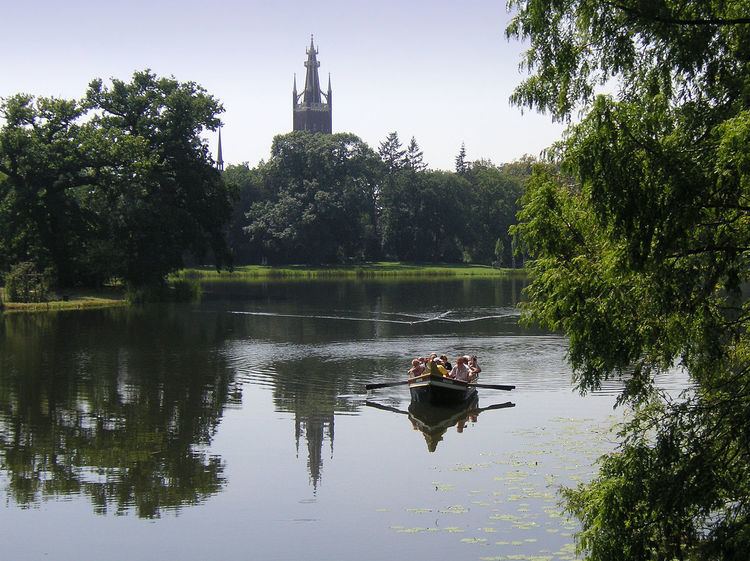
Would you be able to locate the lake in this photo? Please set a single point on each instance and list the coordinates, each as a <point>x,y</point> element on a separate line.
<point>239,428</point>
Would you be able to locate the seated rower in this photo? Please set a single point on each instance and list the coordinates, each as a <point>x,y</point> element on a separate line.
<point>417,368</point>
<point>461,371</point>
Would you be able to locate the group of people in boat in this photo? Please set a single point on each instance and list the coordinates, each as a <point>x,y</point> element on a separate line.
<point>466,368</point>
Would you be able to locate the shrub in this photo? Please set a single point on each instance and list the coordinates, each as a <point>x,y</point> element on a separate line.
<point>24,283</point>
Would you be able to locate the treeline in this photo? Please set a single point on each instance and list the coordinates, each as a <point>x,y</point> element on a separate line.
<point>333,199</point>
<point>121,185</point>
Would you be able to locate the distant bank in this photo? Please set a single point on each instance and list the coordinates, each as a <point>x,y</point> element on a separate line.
<point>381,269</point>
<point>87,299</point>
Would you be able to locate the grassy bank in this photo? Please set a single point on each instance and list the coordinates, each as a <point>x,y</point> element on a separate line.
<point>258,273</point>
<point>382,269</point>
<point>79,300</point>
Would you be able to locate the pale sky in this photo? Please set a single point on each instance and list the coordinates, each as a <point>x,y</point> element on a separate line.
<point>439,70</point>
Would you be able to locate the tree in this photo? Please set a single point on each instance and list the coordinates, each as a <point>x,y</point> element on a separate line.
<point>174,201</point>
<point>492,210</point>
<point>414,224</point>
<point>44,174</point>
<point>247,187</point>
<point>392,154</point>
<point>462,166</point>
<point>321,200</point>
<point>119,184</point>
<point>414,157</point>
<point>640,233</point>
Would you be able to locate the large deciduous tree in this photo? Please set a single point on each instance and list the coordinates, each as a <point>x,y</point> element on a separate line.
<point>640,234</point>
<point>173,202</point>
<point>320,202</point>
<point>119,184</point>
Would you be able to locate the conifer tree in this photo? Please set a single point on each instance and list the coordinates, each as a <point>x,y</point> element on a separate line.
<point>415,156</point>
<point>391,152</point>
<point>462,166</point>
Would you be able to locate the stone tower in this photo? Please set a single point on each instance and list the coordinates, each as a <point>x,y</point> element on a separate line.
<point>311,113</point>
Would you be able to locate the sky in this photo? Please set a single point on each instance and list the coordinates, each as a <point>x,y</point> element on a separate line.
<point>439,70</point>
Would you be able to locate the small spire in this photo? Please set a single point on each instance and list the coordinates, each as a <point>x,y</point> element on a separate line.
<point>329,82</point>
<point>219,157</point>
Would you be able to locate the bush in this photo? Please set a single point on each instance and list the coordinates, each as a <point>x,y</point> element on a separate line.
<point>24,283</point>
<point>187,290</point>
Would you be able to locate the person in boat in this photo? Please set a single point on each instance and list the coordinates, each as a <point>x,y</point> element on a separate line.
<point>441,367</point>
<point>461,371</point>
<point>448,365</point>
<point>417,368</point>
<point>474,366</point>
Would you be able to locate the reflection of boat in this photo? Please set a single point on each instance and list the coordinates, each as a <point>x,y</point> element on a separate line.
<point>433,421</point>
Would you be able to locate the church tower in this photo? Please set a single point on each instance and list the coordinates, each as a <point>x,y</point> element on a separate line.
<point>311,113</point>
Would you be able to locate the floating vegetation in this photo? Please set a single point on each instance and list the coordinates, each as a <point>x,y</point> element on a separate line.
<point>411,530</point>
<point>455,509</point>
<point>469,467</point>
<point>517,491</point>
<point>474,540</point>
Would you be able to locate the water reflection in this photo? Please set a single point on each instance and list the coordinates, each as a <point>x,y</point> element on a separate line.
<point>114,408</point>
<point>433,421</point>
<point>122,406</point>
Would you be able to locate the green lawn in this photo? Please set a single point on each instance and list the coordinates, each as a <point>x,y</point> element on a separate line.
<point>381,269</point>
<point>77,300</point>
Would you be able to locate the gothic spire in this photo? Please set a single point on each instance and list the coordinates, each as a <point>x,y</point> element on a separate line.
<point>312,80</point>
<point>219,157</point>
<point>311,108</point>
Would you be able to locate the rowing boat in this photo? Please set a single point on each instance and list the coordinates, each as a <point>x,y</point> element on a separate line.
<point>436,389</point>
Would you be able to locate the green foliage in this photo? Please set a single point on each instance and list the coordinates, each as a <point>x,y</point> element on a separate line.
<point>393,155</point>
<point>414,156</point>
<point>462,164</point>
<point>319,203</point>
<point>23,283</point>
<point>639,229</point>
<point>119,184</point>
<point>424,216</point>
<point>330,199</point>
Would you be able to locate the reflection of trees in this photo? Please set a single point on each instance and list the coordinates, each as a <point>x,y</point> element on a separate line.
<point>113,409</point>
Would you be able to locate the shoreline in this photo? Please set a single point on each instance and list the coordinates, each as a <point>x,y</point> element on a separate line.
<point>383,270</point>
<point>377,270</point>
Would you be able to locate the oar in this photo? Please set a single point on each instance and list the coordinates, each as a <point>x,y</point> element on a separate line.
<point>390,384</point>
<point>492,387</point>
<point>496,406</point>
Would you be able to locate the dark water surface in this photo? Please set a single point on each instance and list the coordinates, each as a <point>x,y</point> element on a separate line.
<point>238,428</point>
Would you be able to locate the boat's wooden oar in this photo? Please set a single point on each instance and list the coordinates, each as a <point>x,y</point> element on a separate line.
<point>389,384</point>
<point>492,387</point>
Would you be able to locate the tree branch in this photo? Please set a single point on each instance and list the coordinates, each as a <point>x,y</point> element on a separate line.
<point>678,21</point>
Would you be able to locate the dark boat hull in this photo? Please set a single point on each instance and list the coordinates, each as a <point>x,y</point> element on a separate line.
<point>439,390</point>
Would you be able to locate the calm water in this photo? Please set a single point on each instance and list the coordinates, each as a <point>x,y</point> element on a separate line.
<point>238,428</point>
